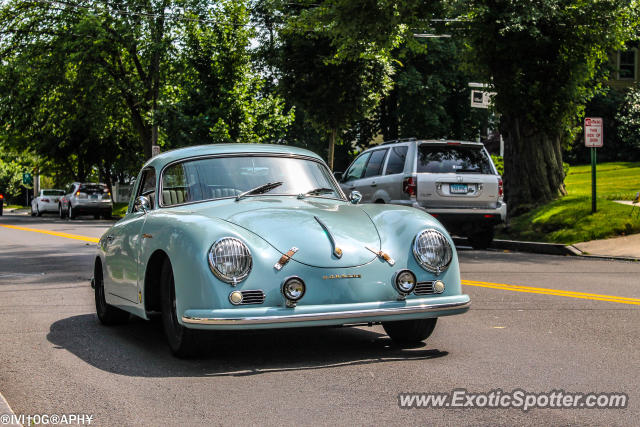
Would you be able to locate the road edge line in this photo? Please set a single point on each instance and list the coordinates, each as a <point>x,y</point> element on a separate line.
<point>6,409</point>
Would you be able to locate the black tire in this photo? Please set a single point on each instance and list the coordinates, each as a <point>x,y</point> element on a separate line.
<point>481,239</point>
<point>70,213</point>
<point>108,314</point>
<point>60,211</point>
<point>410,331</point>
<point>182,341</point>
<point>108,215</point>
<point>96,216</point>
<point>32,212</point>
<point>38,213</point>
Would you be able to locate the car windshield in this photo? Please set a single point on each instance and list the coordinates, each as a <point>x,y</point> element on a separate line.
<point>223,177</point>
<point>52,193</point>
<point>453,159</point>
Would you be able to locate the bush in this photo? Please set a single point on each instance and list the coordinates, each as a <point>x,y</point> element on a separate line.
<point>499,162</point>
<point>629,119</point>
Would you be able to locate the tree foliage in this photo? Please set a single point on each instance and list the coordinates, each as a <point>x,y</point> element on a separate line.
<point>628,120</point>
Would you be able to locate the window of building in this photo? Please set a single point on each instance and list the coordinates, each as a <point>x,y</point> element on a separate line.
<point>627,64</point>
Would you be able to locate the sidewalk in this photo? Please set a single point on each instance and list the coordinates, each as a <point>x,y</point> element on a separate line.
<point>625,246</point>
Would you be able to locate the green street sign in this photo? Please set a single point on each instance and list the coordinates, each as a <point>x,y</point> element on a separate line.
<point>27,179</point>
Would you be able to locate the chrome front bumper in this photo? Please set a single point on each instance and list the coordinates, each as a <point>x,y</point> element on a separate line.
<point>388,312</point>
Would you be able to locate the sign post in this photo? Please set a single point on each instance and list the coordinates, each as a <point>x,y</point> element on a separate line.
<point>593,138</point>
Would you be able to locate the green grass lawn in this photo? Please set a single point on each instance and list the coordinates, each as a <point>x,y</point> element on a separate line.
<point>569,219</point>
<point>119,210</point>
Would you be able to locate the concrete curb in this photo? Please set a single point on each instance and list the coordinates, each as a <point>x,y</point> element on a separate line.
<point>544,248</point>
<point>5,409</point>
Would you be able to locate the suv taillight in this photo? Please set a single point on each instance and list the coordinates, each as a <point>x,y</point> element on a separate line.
<point>500,188</point>
<point>410,186</point>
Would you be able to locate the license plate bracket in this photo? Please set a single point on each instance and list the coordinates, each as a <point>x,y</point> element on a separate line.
<point>458,188</point>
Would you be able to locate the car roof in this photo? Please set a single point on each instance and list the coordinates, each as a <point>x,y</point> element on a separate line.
<point>212,149</point>
<point>430,141</point>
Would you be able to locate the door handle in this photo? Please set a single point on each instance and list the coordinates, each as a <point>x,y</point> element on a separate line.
<point>373,184</point>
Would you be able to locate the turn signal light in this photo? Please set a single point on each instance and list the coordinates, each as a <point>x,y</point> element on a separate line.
<point>500,188</point>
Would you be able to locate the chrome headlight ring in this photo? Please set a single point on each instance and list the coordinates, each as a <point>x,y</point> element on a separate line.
<point>432,250</point>
<point>230,260</point>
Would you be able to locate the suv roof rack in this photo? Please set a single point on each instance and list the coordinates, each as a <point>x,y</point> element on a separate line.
<point>395,141</point>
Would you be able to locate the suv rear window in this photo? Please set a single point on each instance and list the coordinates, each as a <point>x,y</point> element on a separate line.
<point>453,159</point>
<point>93,189</point>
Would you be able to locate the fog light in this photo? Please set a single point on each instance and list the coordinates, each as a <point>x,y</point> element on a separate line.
<point>235,297</point>
<point>405,282</point>
<point>293,289</point>
<point>438,286</point>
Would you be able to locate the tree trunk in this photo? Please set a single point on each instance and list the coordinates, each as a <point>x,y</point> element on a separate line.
<point>332,143</point>
<point>533,171</point>
<point>389,115</point>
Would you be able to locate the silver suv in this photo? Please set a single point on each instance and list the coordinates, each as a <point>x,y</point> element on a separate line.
<point>455,181</point>
<point>85,198</point>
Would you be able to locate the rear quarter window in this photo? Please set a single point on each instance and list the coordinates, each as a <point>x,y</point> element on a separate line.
<point>397,158</point>
<point>453,159</point>
<point>374,166</point>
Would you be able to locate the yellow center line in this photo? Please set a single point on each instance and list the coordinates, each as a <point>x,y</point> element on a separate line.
<point>554,292</point>
<point>54,233</point>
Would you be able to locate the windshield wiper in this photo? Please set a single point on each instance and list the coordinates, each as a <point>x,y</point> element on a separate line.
<point>264,188</point>
<point>316,191</point>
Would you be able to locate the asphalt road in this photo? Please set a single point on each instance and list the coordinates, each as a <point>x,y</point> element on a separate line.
<point>56,358</point>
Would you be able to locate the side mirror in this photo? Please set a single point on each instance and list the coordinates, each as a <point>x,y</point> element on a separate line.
<point>142,204</point>
<point>355,197</point>
<point>338,175</point>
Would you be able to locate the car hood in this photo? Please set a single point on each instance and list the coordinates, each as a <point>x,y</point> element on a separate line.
<point>289,222</point>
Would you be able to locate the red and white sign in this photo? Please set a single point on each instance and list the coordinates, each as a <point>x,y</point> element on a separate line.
<point>593,135</point>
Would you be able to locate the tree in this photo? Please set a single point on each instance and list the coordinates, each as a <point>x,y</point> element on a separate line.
<point>333,95</point>
<point>430,97</point>
<point>545,59</point>
<point>217,94</point>
<point>628,120</point>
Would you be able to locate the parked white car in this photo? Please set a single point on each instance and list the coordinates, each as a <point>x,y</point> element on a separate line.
<point>47,201</point>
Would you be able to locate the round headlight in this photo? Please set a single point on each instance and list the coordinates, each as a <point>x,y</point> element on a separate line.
<point>293,288</point>
<point>405,282</point>
<point>432,251</point>
<point>230,260</point>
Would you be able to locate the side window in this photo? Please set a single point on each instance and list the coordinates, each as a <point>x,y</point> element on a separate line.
<point>357,168</point>
<point>374,166</point>
<point>69,189</point>
<point>175,185</point>
<point>148,186</point>
<point>397,158</point>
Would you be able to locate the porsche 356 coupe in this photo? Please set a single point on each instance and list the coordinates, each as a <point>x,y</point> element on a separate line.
<point>244,236</point>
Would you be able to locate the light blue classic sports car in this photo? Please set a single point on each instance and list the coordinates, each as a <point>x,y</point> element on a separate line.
<point>245,236</point>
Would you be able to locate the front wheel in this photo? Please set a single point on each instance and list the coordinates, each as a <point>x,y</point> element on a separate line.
<point>182,341</point>
<point>60,211</point>
<point>32,212</point>
<point>410,331</point>
<point>70,213</point>
<point>38,213</point>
